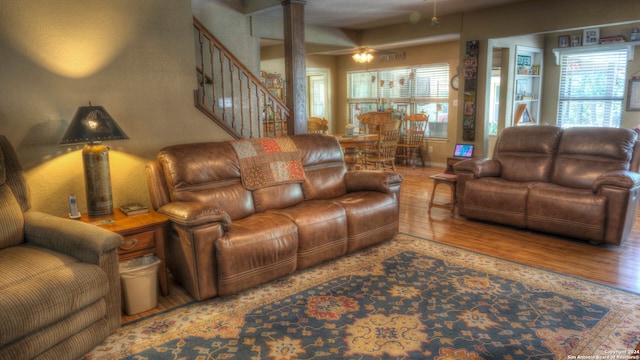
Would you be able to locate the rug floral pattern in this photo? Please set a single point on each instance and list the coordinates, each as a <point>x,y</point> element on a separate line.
<point>409,298</point>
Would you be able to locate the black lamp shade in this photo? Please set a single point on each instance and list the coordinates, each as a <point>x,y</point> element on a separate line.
<point>92,124</point>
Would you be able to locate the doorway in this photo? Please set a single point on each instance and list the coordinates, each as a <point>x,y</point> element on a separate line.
<point>318,94</point>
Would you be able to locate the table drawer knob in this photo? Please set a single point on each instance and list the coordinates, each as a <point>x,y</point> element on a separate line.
<point>129,244</point>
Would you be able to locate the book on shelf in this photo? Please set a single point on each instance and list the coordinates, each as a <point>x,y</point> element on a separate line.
<point>612,39</point>
<point>134,208</point>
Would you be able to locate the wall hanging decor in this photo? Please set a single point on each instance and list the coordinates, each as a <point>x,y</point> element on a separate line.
<point>470,88</point>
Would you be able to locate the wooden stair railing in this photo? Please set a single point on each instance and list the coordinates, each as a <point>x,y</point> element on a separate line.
<point>231,95</point>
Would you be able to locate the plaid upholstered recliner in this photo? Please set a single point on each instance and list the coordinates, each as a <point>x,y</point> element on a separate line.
<point>59,281</point>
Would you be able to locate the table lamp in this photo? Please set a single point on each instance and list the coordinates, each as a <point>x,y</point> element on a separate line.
<point>92,125</point>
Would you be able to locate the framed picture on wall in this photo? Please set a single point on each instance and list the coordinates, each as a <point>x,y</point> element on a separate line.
<point>633,95</point>
<point>591,37</point>
<point>563,41</point>
<point>576,41</point>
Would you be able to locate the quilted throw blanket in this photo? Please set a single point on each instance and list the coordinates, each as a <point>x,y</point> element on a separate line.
<point>268,161</point>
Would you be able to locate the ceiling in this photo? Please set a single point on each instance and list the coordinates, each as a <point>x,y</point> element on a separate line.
<point>358,15</point>
<point>366,14</point>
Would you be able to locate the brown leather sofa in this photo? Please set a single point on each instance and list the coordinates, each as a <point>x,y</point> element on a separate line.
<point>227,238</point>
<point>579,182</point>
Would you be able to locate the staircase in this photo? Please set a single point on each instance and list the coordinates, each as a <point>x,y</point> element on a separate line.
<point>232,96</point>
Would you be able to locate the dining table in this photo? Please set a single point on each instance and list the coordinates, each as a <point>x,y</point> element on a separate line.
<point>353,146</point>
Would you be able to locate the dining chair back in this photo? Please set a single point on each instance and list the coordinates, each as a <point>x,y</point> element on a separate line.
<point>370,122</point>
<point>413,132</point>
<point>317,125</point>
<point>384,154</point>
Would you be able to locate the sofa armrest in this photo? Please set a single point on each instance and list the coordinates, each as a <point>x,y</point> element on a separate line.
<point>382,181</point>
<point>85,242</point>
<point>479,167</point>
<point>195,214</point>
<point>620,178</point>
<point>80,240</point>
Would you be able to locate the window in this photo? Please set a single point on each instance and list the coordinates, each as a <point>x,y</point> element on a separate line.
<point>414,90</point>
<point>592,88</point>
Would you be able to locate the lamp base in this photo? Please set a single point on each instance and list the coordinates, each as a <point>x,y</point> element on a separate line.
<point>97,180</point>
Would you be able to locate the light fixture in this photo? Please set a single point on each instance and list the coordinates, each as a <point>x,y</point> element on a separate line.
<point>362,56</point>
<point>434,19</point>
<point>92,125</point>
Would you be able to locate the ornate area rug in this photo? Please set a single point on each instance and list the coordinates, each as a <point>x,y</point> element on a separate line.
<point>408,298</point>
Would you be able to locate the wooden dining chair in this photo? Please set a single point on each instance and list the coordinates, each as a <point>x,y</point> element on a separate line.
<point>384,153</point>
<point>370,122</point>
<point>414,129</point>
<point>317,125</point>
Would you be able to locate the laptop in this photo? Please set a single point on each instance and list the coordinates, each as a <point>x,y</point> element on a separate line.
<point>463,151</point>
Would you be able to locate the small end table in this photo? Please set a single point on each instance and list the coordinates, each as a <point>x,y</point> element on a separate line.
<point>452,160</point>
<point>144,234</point>
<point>447,179</point>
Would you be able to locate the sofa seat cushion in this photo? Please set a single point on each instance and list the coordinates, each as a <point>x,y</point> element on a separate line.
<point>372,217</point>
<point>322,230</point>
<point>567,211</point>
<point>496,200</point>
<point>257,249</point>
<point>39,287</point>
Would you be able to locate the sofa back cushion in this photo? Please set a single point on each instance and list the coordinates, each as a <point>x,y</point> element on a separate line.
<point>277,197</point>
<point>526,153</point>
<point>11,220</point>
<point>208,173</point>
<point>585,153</point>
<point>323,164</point>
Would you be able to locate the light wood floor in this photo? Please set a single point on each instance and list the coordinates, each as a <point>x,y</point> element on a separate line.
<point>617,266</point>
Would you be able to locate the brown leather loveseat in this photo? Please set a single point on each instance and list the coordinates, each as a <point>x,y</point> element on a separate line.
<point>227,237</point>
<point>579,182</point>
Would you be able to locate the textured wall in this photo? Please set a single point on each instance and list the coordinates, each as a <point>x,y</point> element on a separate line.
<point>135,58</point>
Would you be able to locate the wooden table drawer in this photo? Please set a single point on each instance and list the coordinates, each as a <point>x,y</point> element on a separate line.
<point>137,244</point>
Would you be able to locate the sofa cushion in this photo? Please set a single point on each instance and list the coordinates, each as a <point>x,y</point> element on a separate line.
<point>372,217</point>
<point>497,200</point>
<point>566,211</point>
<point>324,170</point>
<point>31,274</point>
<point>277,197</point>
<point>81,332</point>
<point>11,221</point>
<point>322,230</point>
<point>526,153</point>
<point>211,176</point>
<point>585,154</point>
<point>257,249</point>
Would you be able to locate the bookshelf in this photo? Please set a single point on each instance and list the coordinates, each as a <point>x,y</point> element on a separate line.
<point>527,86</point>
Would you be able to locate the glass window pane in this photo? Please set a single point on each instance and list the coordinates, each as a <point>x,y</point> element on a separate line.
<point>592,88</point>
<point>409,90</point>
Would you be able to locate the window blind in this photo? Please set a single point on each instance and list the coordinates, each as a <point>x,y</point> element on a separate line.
<point>423,89</point>
<point>592,88</point>
<point>396,84</point>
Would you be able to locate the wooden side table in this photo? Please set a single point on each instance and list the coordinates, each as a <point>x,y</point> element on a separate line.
<point>447,179</point>
<point>452,160</point>
<point>144,234</point>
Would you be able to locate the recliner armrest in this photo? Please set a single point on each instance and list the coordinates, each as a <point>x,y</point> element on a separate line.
<point>195,213</point>
<point>619,178</point>
<point>382,181</point>
<point>479,167</point>
<point>80,240</point>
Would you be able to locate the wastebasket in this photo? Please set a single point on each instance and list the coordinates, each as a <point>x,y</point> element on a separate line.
<point>139,281</point>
